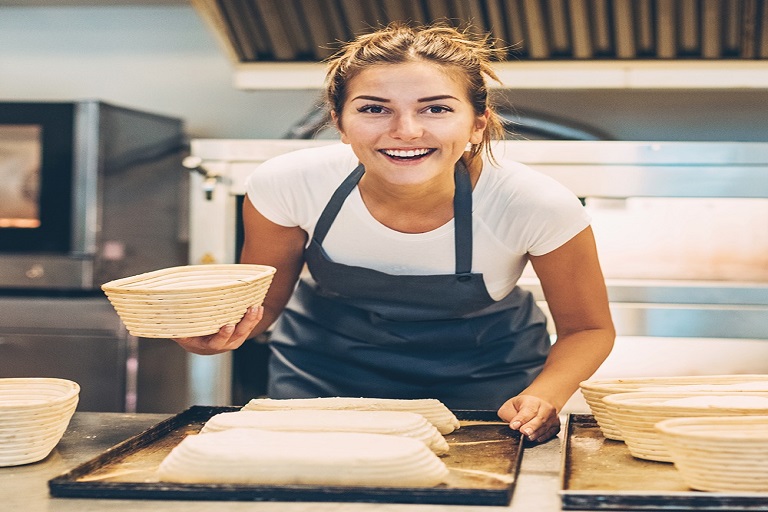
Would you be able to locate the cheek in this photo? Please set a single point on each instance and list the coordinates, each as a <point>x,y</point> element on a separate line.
<point>355,131</point>
<point>349,130</point>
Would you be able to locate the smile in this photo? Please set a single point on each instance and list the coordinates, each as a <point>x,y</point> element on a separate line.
<point>407,154</point>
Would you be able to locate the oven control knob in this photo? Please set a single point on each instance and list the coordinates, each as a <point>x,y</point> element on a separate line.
<point>35,271</point>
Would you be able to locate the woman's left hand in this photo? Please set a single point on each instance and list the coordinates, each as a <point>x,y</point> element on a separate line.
<point>229,337</point>
<point>533,417</point>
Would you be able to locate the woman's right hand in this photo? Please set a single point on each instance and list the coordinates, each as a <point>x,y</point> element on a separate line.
<point>228,338</point>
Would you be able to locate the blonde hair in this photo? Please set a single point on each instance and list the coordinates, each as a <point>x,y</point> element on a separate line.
<point>397,43</point>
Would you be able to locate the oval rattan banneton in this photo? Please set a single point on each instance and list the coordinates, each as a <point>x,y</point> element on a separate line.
<point>192,300</point>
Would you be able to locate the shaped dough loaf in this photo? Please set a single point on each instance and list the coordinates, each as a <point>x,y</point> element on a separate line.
<point>433,410</point>
<point>261,457</point>
<point>400,423</point>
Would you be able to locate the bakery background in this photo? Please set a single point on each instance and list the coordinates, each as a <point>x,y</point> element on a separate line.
<point>162,56</point>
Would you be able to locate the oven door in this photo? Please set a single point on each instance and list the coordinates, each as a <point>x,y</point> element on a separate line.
<point>36,166</point>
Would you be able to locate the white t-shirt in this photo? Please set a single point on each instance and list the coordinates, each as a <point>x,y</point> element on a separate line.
<point>516,211</point>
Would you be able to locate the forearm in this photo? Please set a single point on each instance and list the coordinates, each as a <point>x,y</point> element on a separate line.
<point>575,292</point>
<point>573,358</point>
<point>267,243</point>
<point>277,297</point>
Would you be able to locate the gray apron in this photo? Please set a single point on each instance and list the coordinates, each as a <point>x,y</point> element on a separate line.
<point>354,331</point>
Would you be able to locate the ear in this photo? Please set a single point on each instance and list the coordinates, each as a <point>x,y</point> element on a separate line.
<point>337,124</point>
<point>481,123</point>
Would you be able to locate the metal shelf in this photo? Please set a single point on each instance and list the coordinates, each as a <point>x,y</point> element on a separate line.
<point>613,74</point>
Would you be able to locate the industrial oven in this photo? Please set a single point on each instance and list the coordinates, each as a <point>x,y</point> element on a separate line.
<point>89,192</point>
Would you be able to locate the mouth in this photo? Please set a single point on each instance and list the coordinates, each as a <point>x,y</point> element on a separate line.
<point>407,154</point>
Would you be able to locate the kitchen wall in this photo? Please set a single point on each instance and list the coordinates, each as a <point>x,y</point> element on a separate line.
<point>158,58</point>
<point>163,58</point>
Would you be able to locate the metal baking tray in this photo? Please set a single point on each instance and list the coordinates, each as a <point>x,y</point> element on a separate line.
<point>600,474</point>
<point>484,461</point>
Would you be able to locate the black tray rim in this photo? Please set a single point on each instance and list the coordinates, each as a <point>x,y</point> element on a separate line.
<point>67,486</point>
<point>641,500</point>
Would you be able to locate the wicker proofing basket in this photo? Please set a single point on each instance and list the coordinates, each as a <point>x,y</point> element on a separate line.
<point>193,300</point>
<point>34,413</point>
<point>636,414</point>
<point>727,454</point>
<point>595,390</point>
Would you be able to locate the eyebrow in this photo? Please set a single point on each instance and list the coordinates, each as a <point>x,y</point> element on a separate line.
<point>438,98</point>
<point>420,100</point>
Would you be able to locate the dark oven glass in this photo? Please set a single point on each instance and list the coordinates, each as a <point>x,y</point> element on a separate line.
<point>36,175</point>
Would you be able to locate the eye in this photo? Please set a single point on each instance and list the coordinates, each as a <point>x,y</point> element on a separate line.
<point>438,109</point>
<point>371,109</point>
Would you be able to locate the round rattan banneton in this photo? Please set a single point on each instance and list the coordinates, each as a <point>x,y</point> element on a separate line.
<point>34,413</point>
<point>192,300</point>
<point>722,453</point>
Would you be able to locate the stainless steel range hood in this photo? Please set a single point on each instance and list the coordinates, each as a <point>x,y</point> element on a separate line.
<point>552,43</point>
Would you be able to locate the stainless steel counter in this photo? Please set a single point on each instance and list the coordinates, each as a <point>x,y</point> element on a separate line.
<point>89,433</point>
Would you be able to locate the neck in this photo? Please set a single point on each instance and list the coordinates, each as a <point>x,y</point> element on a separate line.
<point>413,209</point>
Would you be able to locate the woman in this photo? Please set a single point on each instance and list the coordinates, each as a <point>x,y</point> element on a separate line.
<point>414,237</point>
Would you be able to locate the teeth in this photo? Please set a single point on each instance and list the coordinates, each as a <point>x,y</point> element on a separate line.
<point>406,154</point>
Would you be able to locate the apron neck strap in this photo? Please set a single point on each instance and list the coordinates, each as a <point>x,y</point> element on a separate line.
<point>462,213</point>
<point>462,218</point>
<point>334,204</point>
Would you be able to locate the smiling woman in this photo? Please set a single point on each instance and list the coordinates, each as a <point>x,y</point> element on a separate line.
<point>415,236</point>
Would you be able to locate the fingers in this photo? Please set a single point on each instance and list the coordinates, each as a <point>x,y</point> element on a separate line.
<point>545,432</point>
<point>535,418</point>
<point>246,324</point>
<point>229,337</point>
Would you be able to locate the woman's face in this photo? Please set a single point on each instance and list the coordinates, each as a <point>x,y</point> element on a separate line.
<point>409,123</point>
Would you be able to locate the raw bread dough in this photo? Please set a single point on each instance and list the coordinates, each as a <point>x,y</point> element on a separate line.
<point>261,457</point>
<point>433,410</point>
<point>402,423</point>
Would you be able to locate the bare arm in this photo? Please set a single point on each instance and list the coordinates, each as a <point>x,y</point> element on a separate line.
<point>266,243</point>
<point>575,291</point>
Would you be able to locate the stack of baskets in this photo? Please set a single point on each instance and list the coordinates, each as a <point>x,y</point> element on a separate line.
<point>34,413</point>
<point>636,414</point>
<point>713,428</point>
<point>193,300</point>
<point>595,390</point>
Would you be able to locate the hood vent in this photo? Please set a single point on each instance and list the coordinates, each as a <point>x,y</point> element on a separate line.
<point>307,30</point>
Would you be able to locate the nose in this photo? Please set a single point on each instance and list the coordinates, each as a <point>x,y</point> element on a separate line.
<point>406,126</point>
